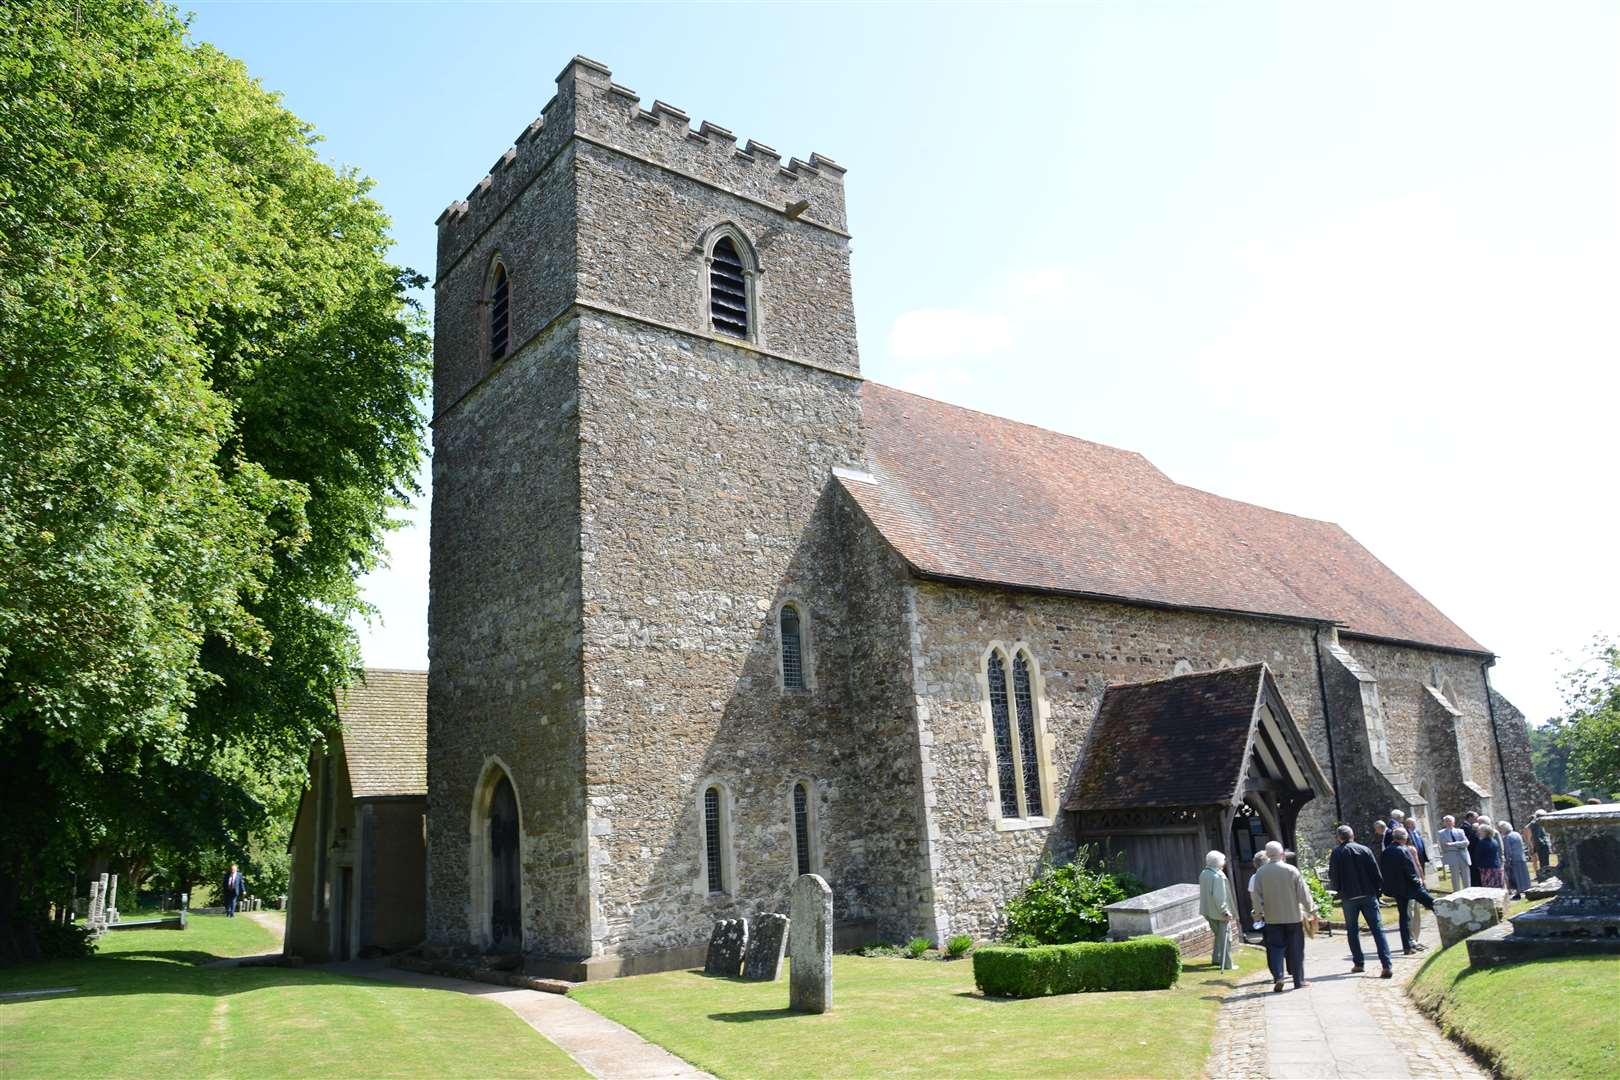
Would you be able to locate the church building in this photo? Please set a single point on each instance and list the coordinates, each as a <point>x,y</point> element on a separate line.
<point>708,610</point>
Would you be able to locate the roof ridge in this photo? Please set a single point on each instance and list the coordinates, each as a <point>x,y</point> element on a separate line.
<point>1235,669</point>
<point>394,671</point>
<point>1020,423</point>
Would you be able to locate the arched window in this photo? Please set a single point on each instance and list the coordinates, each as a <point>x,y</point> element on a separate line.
<point>791,635</point>
<point>801,825</point>
<point>1014,720</point>
<point>728,289</point>
<point>1026,737</point>
<point>1001,730</point>
<point>500,313</point>
<point>714,840</point>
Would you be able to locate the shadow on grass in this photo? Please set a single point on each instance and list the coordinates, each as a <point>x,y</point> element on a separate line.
<point>753,1015</point>
<point>185,972</point>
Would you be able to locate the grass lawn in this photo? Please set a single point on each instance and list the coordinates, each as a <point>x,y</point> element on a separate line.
<point>1553,1019</point>
<point>145,1007</point>
<point>919,1018</point>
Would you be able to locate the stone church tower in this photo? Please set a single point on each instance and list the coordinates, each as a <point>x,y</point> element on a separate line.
<point>645,375</point>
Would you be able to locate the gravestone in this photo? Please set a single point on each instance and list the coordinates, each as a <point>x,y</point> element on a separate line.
<point>1170,912</point>
<point>727,947</point>
<point>98,901</point>
<point>111,913</point>
<point>767,940</point>
<point>811,935</point>
<point>1465,912</point>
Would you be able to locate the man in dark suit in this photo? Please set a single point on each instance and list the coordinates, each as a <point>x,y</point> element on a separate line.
<point>232,890</point>
<point>1471,827</point>
<point>1402,885</point>
<point>1353,870</point>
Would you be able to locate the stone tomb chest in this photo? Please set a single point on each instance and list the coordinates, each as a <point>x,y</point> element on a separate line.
<point>1170,912</point>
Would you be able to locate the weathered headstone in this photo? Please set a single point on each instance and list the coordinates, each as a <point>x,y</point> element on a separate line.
<point>767,941</point>
<point>728,944</point>
<point>111,913</point>
<point>1465,912</point>
<point>98,900</point>
<point>811,935</point>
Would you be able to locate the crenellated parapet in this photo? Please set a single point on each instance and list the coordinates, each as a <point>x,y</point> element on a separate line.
<point>590,107</point>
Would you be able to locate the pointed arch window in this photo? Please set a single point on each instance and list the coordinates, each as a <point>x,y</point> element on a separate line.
<point>500,312</point>
<point>790,633</point>
<point>1014,721</point>
<point>728,290</point>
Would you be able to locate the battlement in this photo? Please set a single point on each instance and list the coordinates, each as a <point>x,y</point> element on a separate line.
<point>593,108</point>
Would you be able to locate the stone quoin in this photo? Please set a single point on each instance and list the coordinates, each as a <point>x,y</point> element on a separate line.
<point>709,611</point>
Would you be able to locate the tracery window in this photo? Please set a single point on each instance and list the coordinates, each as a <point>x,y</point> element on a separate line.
<point>791,634</point>
<point>728,289</point>
<point>1015,737</point>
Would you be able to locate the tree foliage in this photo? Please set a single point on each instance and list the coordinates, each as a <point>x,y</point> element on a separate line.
<point>1588,730</point>
<point>1065,903</point>
<point>209,387</point>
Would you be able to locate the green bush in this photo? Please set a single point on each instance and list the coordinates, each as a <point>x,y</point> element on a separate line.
<point>1564,802</point>
<point>1021,941</point>
<point>917,946</point>
<point>1065,903</point>
<point>958,945</point>
<point>1144,963</point>
<point>71,942</point>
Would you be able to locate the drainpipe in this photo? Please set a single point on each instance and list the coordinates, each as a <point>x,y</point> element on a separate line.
<point>1501,762</point>
<point>1327,722</point>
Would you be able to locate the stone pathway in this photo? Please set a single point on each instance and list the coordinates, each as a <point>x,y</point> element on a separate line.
<point>601,1046</point>
<point>1342,1025</point>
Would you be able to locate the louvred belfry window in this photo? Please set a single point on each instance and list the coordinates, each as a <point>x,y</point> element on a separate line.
<point>500,321</point>
<point>728,290</point>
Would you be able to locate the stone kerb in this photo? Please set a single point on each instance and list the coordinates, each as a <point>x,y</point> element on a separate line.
<point>1170,912</point>
<point>811,937</point>
<point>1467,911</point>
<point>767,941</point>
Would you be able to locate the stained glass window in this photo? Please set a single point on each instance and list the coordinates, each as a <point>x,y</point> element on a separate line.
<point>1026,737</point>
<point>1006,778</point>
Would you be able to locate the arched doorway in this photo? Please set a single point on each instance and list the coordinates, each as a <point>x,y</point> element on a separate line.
<point>505,893</point>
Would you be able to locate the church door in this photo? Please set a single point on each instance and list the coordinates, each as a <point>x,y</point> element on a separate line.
<point>506,914</point>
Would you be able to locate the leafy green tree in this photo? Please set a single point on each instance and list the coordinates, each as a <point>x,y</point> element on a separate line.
<point>209,387</point>
<point>1589,728</point>
<point>1549,756</point>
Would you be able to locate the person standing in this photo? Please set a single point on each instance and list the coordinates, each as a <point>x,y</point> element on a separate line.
<point>1414,910</point>
<point>1471,828</point>
<point>1516,867</point>
<point>1380,835</point>
<point>1488,861</point>
<point>1353,870</point>
<point>1280,898</point>
<point>1402,885</point>
<point>1543,845</point>
<point>1414,837</point>
<point>1454,851</point>
<point>232,890</point>
<point>1215,902</point>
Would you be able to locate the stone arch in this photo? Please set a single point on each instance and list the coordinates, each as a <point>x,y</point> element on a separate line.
<point>748,255</point>
<point>483,876</point>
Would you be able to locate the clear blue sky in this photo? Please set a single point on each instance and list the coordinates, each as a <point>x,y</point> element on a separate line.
<point>1358,262</point>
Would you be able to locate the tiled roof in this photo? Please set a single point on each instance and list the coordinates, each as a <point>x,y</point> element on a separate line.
<point>384,717</point>
<point>965,495</point>
<point>1180,741</point>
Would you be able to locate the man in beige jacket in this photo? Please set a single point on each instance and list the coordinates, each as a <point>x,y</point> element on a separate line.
<point>1279,897</point>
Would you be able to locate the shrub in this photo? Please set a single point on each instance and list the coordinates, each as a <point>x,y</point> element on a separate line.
<point>958,945</point>
<point>1144,963</point>
<point>877,948</point>
<point>1021,941</point>
<point>917,946</point>
<point>57,942</point>
<point>1564,802</point>
<point>1065,903</point>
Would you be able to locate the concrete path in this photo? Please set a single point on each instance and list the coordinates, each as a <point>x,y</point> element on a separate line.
<point>602,1047</point>
<point>1342,1025</point>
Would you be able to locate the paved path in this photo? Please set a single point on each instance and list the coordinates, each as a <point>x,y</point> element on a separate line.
<point>601,1046</point>
<point>1342,1025</point>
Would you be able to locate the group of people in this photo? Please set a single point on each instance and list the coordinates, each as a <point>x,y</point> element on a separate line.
<point>1395,866</point>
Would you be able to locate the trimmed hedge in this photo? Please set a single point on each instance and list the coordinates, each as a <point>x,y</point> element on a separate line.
<point>1142,963</point>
